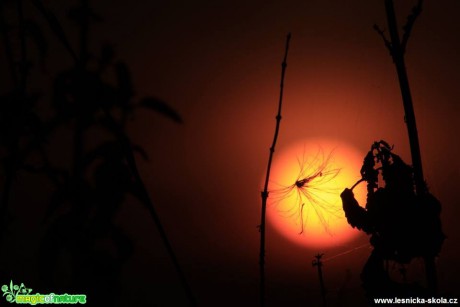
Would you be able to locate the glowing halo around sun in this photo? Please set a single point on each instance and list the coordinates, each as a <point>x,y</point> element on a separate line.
<point>306,180</point>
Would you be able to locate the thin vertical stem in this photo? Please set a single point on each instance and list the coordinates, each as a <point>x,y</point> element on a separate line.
<point>319,264</point>
<point>264,193</point>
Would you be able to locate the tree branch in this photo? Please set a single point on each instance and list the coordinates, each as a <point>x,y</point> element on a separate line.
<point>416,10</point>
<point>385,40</point>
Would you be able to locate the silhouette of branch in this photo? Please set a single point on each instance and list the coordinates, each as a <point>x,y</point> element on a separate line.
<point>398,59</point>
<point>126,146</point>
<point>79,76</point>
<point>264,193</point>
<point>416,10</point>
<point>384,38</point>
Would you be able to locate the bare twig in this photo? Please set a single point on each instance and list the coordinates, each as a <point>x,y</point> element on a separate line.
<point>398,59</point>
<point>416,10</point>
<point>264,193</point>
<point>384,38</point>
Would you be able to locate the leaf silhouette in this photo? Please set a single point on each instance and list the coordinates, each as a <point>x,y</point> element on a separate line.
<point>160,107</point>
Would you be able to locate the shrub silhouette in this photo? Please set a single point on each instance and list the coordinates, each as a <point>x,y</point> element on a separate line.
<point>81,237</point>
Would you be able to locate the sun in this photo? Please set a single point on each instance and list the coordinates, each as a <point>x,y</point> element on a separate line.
<point>304,192</point>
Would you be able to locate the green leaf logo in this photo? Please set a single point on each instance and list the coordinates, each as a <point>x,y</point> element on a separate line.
<point>13,290</point>
<point>9,292</point>
<point>10,298</point>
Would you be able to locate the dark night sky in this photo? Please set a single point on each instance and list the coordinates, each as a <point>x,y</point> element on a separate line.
<point>218,64</point>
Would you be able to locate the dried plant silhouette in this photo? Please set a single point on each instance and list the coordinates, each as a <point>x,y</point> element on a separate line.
<point>397,49</point>
<point>82,237</point>
<point>403,225</point>
<point>305,197</point>
<point>264,193</point>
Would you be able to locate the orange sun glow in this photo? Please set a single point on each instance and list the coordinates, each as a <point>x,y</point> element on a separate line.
<point>304,192</point>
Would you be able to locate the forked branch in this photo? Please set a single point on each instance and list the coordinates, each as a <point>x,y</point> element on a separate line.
<point>416,10</point>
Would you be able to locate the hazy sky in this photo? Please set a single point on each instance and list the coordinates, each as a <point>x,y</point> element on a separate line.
<point>218,64</point>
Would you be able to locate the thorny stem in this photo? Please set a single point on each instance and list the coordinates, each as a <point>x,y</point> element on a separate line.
<point>264,193</point>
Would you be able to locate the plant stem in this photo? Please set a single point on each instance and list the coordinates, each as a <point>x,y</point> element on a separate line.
<point>130,159</point>
<point>398,59</point>
<point>397,53</point>
<point>319,264</point>
<point>264,193</point>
